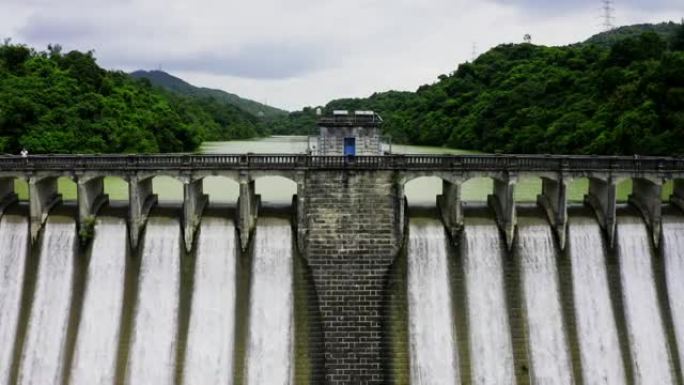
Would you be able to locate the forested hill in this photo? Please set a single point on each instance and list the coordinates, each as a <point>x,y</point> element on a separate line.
<point>667,31</point>
<point>582,99</point>
<point>180,86</point>
<point>51,102</point>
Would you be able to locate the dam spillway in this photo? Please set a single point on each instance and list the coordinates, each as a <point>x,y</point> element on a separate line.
<point>211,334</point>
<point>434,359</point>
<point>599,345</point>
<point>96,343</point>
<point>548,345</point>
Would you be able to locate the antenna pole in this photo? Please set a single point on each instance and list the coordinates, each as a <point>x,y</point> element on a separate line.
<point>608,14</point>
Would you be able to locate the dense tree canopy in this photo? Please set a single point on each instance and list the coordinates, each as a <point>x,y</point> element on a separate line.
<point>66,103</point>
<point>625,98</point>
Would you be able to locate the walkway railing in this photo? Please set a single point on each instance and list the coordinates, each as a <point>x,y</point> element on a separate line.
<point>294,161</point>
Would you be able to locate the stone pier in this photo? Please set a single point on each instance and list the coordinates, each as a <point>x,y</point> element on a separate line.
<point>502,202</point>
<point>602,198</point>
<point>553,200</point>
<point>141,200</point>
<point>43,197</point>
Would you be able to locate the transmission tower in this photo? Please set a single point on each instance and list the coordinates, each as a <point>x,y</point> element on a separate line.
<point>608,10</point>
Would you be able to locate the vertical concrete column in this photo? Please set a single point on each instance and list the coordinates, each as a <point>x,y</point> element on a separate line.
<point>646,197</point>
<point>503,204</point>
<point>43,197</point>
<point>91,197</point>
<point>194,202</point>
<point>449,204</point>
<point>602,198</point>
<point>247,209</point>
<point>141,200</point>
<point>677,197</point>
<point>302,219</point>
<point>553,200</point>
<point>7,194</point>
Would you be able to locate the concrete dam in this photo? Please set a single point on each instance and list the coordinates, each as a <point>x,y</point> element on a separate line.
<point>350,284</point>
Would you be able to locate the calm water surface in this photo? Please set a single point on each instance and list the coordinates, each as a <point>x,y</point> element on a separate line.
<point>277,190</point>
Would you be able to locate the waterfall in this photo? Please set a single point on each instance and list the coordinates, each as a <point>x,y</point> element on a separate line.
<point>490,340</point>
<point>98,333</point>
<point>673,252</point>
<point>548,346</point>
<point>271,320</point>
<point>596,327</point>
<point>43,354</point>
<point>152,355</point>
<point>209,355</point>
<point>13,249</point>
<point>431,331</point>
<point>650,357</point>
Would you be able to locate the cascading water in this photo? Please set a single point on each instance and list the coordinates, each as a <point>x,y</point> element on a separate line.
<point>431,332</point>
<point>98,333</point>
<point>547,342</point>
<point>650,357</point>
<point>209,355</point>
<point>490,340</point>
<point>599,343</point>
<point>43,354</point>
<point>271,318</point>
<point>152,355</point>
<point>673,252</point>
<point>13,249</point>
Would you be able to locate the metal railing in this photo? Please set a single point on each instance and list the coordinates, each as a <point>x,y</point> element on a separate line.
<point>385,162</point>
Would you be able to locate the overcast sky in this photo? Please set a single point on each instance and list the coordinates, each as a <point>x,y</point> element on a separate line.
<point>293,53</point>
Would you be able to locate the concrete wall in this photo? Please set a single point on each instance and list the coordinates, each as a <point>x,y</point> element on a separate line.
<point>331,140</point>
<point>355,223</point>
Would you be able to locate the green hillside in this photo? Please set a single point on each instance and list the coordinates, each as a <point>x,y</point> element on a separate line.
<point>51,102</point>
<point>626,98</point>
<point>174,84</point>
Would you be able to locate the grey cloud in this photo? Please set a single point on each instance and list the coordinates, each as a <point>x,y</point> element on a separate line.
<point>56,31</point>
<point>552,6</point>
<point>255,61</point>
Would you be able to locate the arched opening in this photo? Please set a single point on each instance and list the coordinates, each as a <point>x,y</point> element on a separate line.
<point>527,189</point>
<point>116,188</point>
<point>21,189</point>
<point>668,190</point>
<point>275,190</point>
<point>168,189</point>
<point>477,189</point>
<point>577,189</point>
<point>624,189</point>
<point>221,190</point>
<point>423,191</point>
<point>67,188</point>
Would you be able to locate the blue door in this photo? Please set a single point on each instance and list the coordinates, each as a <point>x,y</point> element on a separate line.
<point>349,146</point>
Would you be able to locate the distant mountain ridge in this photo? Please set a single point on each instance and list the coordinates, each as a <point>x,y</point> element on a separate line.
<point>174,84</point>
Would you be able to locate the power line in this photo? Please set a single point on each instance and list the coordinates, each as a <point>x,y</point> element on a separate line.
<point>608,14</point>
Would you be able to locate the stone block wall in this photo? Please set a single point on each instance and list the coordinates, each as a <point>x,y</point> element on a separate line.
<point>355,226</point>
<point>331,140</point>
